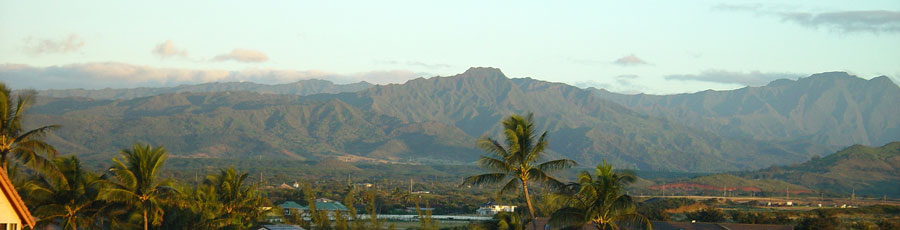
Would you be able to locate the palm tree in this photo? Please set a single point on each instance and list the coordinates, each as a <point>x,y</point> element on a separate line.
<point>509,221</point>
<point>239,201</point>
<point>137,183</point>
<point>517,160</point>
<point>15,141</point>
<point>599,200</point>
<point>71,199</point>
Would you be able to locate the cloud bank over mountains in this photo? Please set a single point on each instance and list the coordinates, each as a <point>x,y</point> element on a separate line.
<point>243,55</point>
<point>120,75</point>
<point>753,78</point>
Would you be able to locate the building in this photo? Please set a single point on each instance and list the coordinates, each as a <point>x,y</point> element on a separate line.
<point>291,207</point>
<point>322,204</point>
<point>280,227</point>
<point>491,208</point>
<point>14,215</point>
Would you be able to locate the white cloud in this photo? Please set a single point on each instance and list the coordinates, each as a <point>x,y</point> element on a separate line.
<point>243,55</point>
<point>68,44</point>
<point>168,49</point>
<point>629,60</point>
<point>120,75</point>
<point>753,78</point>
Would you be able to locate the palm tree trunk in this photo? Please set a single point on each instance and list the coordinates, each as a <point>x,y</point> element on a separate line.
<point>530,208</point>
<point>146,225</point>
<point>3,161</point>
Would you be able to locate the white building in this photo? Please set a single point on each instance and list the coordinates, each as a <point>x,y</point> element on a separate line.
<point>491,208</point>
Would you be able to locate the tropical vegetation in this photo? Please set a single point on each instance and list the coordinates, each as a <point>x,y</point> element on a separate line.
<point>599,200</point>
<point>15,141</point>
<point>515,164</point>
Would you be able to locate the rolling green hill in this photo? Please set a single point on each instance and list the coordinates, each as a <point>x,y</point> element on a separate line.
<point>867,170</point>
<point>434,120</point>
<point>832,108</point>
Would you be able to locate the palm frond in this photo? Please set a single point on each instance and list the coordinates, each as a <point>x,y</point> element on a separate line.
<point>489,178</point>
<point>511,185</point>
<point>119,195</point>
<point>541,177</point>
<point>568,217</point>
<point>36,133</point>
<point>492,146</point>
<point>495,164</point>
<point>634,221</point>
<point>554,165</point>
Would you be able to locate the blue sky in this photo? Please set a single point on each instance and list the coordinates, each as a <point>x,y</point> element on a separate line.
<point>657,47</point>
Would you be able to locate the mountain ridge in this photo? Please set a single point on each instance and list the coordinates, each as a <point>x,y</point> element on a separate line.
<point>433,120</point>
<point>301,87</point>
<point>832,108</point>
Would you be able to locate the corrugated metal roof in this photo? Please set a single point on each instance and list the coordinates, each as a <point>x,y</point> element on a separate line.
<point>282,227</point>
<point>292,205</point>
<point>327,206</point>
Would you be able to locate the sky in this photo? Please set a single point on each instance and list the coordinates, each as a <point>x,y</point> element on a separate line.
<point>654,47</point>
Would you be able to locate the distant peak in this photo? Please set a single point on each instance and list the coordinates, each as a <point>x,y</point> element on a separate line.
<point>882,80</point>
<point>781,82</point>
<point>484,72</point>
<point>832,75</point>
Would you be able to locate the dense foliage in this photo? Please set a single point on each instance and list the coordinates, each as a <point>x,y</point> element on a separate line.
<point>599,200</point>
<point>515,164</point>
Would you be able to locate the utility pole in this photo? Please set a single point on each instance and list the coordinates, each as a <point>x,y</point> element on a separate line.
<point>410,185</point>
<point>724,190</point>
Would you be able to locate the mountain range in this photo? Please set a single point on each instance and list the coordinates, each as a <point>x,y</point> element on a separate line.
<point>303,87</point>
<point>832,108</point>
<point>437,120</point>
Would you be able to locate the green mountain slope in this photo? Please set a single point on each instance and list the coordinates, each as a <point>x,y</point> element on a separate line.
<point>581,126</point>
<point>869,170</point>
<point>302,87</point>
<point>433,120</point>
<point>829,108</point>
<point>235,125</point>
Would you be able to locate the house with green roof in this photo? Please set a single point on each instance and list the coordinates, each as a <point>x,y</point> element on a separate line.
<point>322,204</point>
<point>290,207</point>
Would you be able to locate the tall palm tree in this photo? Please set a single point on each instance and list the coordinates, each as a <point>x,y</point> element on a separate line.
<point>516,163</point>
<point>137,183</point>
<point>15,141</point>
<point>239,201</point>
<point>599,200</point>
<point>70,201</point>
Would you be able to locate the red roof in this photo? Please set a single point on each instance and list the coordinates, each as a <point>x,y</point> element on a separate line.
<point>673,225</point>
<point>18,205</point>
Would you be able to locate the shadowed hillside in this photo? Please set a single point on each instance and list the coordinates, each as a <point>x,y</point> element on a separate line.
<point>434,120</point>
<point>832,108</point>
